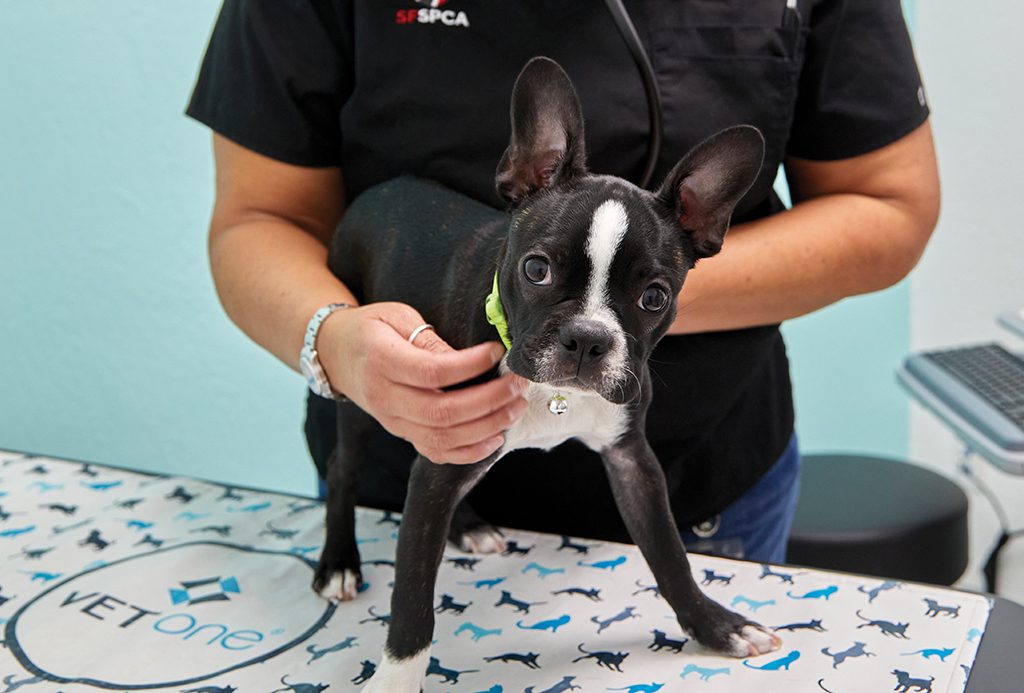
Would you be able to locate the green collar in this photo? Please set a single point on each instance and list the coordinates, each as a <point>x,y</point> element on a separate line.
<point>496,315</point>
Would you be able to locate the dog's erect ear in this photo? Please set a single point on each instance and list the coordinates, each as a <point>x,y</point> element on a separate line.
<point>547,132</point>
<point>706,184</point>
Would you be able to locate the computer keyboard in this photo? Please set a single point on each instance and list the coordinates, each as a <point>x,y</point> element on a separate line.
<point>982,387</point>
<point>992,372</point>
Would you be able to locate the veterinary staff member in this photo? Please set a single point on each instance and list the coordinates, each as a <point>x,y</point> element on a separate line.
<point>313,101</point>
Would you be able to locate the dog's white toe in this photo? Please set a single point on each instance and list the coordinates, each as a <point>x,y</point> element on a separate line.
<point>483,540</point>
<point>752,641</point>
<point>399,676</point>
<point>342,587</point>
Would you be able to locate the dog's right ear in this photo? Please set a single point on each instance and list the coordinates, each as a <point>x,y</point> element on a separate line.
<point>547,132</point>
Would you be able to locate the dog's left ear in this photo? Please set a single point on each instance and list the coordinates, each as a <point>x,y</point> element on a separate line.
<point>705,186</point>
<point>547,132</point>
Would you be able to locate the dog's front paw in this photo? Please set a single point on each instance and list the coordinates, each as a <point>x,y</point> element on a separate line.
<point>719,629</point>
<point>399,676</point>
<point>337,584</point>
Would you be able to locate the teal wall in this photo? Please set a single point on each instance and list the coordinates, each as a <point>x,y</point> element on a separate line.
<point>843,363</point>
<point>910,10</point>
<point>113,345</point>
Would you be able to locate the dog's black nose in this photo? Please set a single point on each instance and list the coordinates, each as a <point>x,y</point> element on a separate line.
<point>585,340</point>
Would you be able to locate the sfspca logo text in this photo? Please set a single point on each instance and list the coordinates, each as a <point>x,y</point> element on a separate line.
<point>434,15</point>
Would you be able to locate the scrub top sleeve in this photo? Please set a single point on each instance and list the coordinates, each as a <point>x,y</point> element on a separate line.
<point>860,88</point>
<point>275,77</point>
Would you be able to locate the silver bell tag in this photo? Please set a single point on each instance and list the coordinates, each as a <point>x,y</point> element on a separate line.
<point>558,404</point>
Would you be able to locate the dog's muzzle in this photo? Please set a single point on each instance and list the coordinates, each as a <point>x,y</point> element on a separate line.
<point>587,354</point>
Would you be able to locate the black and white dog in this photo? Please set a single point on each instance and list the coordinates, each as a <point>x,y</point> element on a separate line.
<point>588,268</point>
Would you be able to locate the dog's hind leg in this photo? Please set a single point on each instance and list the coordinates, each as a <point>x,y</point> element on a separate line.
<point>338,576</point>
<point>473,534</point>
<point>434,492</point>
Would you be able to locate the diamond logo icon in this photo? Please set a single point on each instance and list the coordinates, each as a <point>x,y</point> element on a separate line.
<point>215,589</point>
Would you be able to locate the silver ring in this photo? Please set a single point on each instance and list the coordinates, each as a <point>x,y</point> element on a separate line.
<point>416,333</point>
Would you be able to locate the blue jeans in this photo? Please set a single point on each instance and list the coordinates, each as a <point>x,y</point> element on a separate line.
<point>755,527</point>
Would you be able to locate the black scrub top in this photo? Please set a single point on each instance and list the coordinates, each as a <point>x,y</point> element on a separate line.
<point>389,87</point>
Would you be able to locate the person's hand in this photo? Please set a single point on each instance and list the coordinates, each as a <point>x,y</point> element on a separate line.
<point>368,358</point>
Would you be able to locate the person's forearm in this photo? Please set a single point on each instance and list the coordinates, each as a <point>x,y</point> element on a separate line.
<point>271,277</point>
<point>798,261</point>
<point>859,225</point>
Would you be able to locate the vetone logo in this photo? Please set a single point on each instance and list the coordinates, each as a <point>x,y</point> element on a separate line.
<point>101,626</point>
<point>434,15</point>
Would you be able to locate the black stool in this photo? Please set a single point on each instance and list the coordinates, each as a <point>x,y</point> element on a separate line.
<point>880,517</point>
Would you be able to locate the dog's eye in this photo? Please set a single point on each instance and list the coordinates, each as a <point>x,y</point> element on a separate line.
<point>653,299</point>
<point>537,270</point>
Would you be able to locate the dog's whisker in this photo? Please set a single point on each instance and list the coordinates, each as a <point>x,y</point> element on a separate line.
<point>621,387</point>
<point>639,387</point>
<point>655,373</point>
<point>686,307</point>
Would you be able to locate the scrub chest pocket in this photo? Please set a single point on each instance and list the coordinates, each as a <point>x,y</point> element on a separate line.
<point>713,74</point>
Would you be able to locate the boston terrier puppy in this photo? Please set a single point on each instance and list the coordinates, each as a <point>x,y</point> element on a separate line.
<point>580,279</point>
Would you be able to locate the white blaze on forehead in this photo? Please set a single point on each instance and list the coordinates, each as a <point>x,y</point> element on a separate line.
<point>606,232</point>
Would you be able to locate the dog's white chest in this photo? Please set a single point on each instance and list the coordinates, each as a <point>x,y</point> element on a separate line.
<point>589,418</point>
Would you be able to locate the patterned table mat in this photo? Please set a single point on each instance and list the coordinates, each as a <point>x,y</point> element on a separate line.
<point>118,580</point>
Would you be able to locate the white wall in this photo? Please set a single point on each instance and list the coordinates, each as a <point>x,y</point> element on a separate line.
<point>974,267</point>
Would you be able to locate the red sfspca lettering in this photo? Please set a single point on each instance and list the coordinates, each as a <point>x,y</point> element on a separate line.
<point>432,16</point>
<point>405,16</point>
